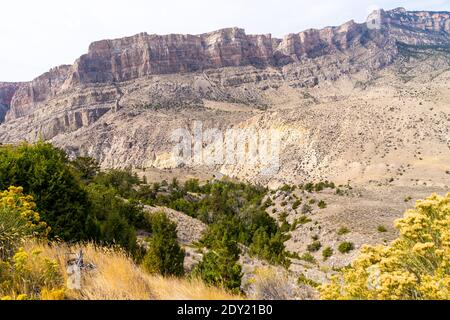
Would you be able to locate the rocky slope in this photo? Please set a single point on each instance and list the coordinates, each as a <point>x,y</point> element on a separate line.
<point>358,101</point>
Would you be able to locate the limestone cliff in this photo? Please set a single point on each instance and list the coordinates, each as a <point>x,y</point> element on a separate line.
<point>120,101</point>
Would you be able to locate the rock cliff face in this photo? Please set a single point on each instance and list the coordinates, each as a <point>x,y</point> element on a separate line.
<point>120,60</point>
<point>7,91</point>
<point>28,95</point>
<point>143,54</point>
<point>120,101</point>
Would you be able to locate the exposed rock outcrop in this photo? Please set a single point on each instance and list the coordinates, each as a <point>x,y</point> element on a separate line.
<point>142,55</point>
<point>7,91</point>
<point>120,102</point>
<point>28,95</point>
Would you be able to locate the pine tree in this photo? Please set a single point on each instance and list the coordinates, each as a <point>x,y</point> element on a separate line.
<point>220,267</point>
<point>164,255</point>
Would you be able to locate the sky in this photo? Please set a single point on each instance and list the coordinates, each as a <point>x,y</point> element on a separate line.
<point>38,35</point>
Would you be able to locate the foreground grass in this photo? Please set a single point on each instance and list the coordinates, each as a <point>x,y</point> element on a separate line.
<point>117,277</point>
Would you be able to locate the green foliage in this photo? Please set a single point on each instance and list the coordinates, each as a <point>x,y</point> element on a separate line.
<point>327,253</point>
<point>192,185</point>
<point>234,208</point>
<point>322,204</point>
<point>381,228</point>
<point>123,181</point>
<point>306,209</point>
<point>302,220</point>
<point>114,221</point>
<point>302,279</point>
<point>288,188</point>
<point>164,255</point>
<point>342,231</point>
<point>44,172</point>
<point>308,257</point>
<point>296,204</point>
<point>314,246</point>
<point>18,221</point>
<point>220,266</point>
<point>346,247</point>
<point>269,247</point>
<point>86,167</point>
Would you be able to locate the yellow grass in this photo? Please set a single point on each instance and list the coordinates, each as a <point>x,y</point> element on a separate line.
<point>117,277</point>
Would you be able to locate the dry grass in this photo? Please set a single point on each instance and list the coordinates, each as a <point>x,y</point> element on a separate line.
<point>117,277</point>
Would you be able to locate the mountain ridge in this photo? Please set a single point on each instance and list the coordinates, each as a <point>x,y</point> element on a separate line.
<point>111,104</point>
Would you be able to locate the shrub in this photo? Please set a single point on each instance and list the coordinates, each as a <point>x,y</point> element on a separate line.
<point>308,257</point>
<point>30,275</point>
<point>314,246</point>
<point>306,209</point>
<point>342,231</point>
<point>192,185</point>
<point>164,255</point>
<point>414,266</point>
<point>322,204</point>
<point>272,285</point>
<point>87,168</point>
<point>18,220</point>
<point>346,247</point>
<point>220,266</point>
<point>327,253</point>
<point>296,204</point>
<point>309,187</point>
<point>122,181</point>
<point>44,172</point>
<point>302,279</point>
<point>114,220</point>
<point>382,229</point>
<point>270,248</point>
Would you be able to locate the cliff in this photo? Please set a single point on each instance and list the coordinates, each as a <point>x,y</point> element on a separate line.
<point>142,55</point>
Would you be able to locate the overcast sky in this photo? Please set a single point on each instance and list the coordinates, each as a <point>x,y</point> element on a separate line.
<point>36,35</point>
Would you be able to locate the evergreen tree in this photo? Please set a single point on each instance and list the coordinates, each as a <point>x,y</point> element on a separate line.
<point>164,255</point>
<point>220,267</point>
<point>43,172</point>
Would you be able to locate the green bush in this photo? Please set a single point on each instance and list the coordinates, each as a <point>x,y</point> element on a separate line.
<point>306,209</point>
<point>322,204</point>
<point>308,257</point>
<point>381,229</point>
<point>122,181</point>
<point>302,279</point>
<point>87,168</point>
<point>44,172</point>
<point>327,252</point>
<point>342,231</point>
<point>314,246</point>
<point>296,204</point>
<point>220,266</point>
<point>346,247</point>
<point>164,255</point>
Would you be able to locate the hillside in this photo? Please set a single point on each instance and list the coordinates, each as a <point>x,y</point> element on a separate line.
<point>226,165</point>
<point>121,101</point>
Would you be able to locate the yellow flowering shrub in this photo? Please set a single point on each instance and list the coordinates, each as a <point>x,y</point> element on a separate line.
<point>30,275</point>
<point>18,220</point>
<point>414,266</point>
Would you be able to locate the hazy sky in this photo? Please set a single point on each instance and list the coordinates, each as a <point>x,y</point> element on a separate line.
<point>37,35</point>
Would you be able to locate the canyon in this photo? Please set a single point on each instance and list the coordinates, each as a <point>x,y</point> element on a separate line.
<point>359,102</point>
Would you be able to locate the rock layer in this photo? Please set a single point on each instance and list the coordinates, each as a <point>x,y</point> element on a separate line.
<point>130,58</point>
<point>120,102</point>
